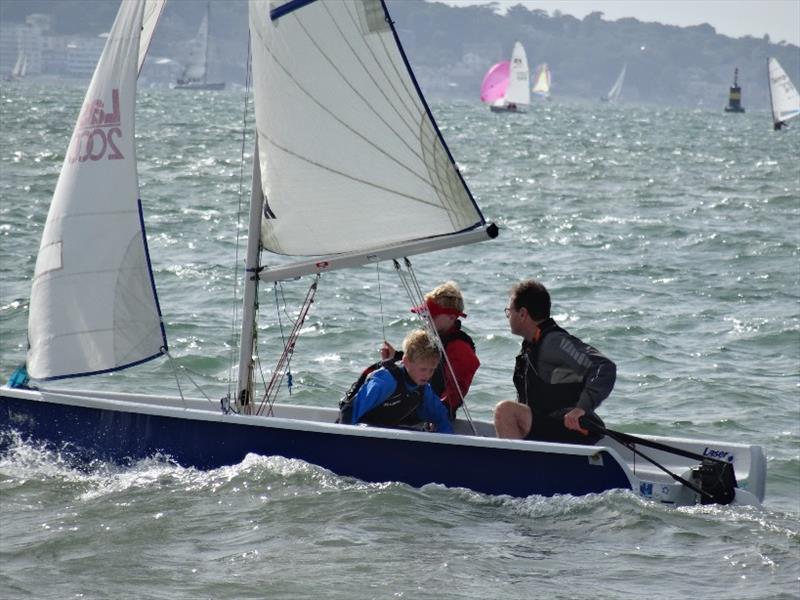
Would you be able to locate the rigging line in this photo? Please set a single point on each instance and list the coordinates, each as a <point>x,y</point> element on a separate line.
<point>189,372</point>
<point>235,310</point>
<point>288,350</point>
<point>414,113</point>
<point>352,178</point>
<point>339,120</point>
<point>269,386</point>
<point>175,373</point>
<point>440,345</point>
<point>380,298</point>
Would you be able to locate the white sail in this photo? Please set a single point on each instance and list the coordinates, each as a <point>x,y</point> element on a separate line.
<point>350,158</point>
<point>20,67</point>
<point>93,304</point>
<point>518,91</point>
<point>196,66</point>
<point>784,99</point>
<point>616,89</point>
<point>541,81</point>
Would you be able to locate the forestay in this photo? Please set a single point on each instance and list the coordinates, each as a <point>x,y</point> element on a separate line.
<point>93,306</point>
<point>349,157</point>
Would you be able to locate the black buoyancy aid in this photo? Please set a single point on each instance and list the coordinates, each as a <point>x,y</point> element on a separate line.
<point>438,380</point>
<point>398,409</point>
<point>541,396</point>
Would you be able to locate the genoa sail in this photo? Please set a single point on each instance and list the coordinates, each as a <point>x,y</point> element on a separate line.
<point>349,156</point>
<point>93,305</point>
<point>784,99</point>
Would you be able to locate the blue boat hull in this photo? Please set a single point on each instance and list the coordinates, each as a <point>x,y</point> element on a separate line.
<point>86,433</point>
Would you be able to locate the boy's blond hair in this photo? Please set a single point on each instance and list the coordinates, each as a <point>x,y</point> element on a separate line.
<point>447,295</point>
<point>418,346</point>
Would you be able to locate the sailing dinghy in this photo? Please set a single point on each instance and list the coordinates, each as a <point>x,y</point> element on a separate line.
<point>541,82</point>
<point>783,97</point>
<point>613,94</point>
<point>505,85</point>
<point>344,82</point>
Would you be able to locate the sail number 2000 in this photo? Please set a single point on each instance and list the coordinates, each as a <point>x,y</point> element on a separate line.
<point>96,144</point>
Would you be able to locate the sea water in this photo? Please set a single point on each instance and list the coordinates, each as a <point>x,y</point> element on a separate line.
<point>669,240</point>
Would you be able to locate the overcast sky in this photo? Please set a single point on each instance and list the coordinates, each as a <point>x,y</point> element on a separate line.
<point>735,18</point>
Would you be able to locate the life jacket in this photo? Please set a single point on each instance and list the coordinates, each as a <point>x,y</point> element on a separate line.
<point>541,396</point>
<point>399,409</point>
<point>437,380</point>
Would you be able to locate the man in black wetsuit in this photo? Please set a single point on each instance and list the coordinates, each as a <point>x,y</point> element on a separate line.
<point>558,378</point>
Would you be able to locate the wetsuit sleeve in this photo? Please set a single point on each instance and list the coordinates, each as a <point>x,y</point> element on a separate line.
<point>598,373</point>
<point>464,362</point>
<point>376,389</point>
<point>434,411</point>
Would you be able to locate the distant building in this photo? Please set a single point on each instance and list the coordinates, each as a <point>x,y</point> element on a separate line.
<point>20,39</point>
<point>82,54</point>
<point>46,54</point>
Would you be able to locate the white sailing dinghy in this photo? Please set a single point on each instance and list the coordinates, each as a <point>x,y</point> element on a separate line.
<point>20,69</point>
<point>195,74</point>
<point>514,95</point>
<point>783,97</point>
<point>613,94</point>
<point>344,81</point>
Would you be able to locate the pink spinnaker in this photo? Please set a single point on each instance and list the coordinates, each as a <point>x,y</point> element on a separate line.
<point>495,82</point>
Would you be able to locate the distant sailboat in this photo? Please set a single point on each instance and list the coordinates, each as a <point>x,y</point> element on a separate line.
<point>505,85</point>
<point>541,82</point>
<point>196,71</point>
<point>616,89</point>
<point>735,95</point>
<point>783,96</point>
<point>20,67</point>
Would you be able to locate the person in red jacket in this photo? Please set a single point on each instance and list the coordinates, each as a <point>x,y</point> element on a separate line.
<point>445,304</point>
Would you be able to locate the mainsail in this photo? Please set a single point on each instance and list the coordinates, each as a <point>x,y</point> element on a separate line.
<point>93,300</point>
<point>195,70</point>
<point>349,156</point>
<point>616,89</point>
<point>518,91</point>
<point>784,99</point>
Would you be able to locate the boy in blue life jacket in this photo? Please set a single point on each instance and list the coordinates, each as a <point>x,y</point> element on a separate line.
<point>400,396</point>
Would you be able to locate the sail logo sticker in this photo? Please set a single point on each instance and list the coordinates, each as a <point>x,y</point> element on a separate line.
<point>97,132</point>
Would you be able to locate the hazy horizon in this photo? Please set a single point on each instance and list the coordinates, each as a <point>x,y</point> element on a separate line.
<point>780,19</point>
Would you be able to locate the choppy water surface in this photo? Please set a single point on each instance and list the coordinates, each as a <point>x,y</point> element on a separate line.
<point>668,238</point>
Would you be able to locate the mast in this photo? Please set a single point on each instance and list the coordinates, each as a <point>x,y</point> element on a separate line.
<point>244,389</point>
<point>208,28</point>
